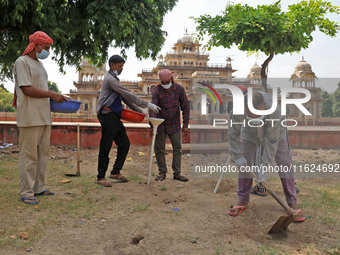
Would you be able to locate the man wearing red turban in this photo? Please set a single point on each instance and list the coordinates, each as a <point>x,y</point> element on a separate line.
<point>33,116</point>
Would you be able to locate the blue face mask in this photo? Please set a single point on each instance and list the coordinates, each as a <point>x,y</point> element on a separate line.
<point>116,72</point>
<point>43,54</point>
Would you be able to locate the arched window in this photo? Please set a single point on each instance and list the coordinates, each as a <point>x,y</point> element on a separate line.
<point>191,105</point>
<point>209,107</point>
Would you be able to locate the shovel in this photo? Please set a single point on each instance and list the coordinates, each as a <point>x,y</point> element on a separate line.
<point>282,223</point>
<point>155,123</point>
<point>77,174</point>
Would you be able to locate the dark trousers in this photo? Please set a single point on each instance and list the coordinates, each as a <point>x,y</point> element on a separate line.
<point>112,130</point>
<point>176,142</point>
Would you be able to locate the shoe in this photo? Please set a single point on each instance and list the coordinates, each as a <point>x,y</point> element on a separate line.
<point>181,178</point>
<point>160,177</point>
<point>118,177</point>
<point>299,219</point>
<point>46,192</point>
<point>104,183</point>
<point>241,208</point>
<point>259,192</point>
<point>30,201</point>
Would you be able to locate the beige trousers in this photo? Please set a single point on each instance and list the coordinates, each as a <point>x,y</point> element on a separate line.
<point>34,143</point>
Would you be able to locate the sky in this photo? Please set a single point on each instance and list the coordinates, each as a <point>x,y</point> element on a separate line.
<point>323,53</point>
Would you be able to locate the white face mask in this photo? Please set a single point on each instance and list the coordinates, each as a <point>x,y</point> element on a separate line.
<point>43,54</point>
<point>167,86</point>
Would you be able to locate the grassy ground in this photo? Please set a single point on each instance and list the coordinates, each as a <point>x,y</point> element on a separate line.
<point>78,205</point>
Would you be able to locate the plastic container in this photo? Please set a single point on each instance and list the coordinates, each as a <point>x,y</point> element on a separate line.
<point>70,106</point>
<point>132,116</point>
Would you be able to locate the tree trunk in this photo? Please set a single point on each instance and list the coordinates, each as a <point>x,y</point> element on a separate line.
<point>263,70</point>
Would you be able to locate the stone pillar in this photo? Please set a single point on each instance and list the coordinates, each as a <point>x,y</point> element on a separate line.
<point>94,105</point>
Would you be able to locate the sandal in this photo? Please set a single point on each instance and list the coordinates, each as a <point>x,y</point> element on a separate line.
<point>259,191</point>
<point>118,177</point>
<point>46,192</point>
<point>241,208</point>
<point>30,201</point>
<point>301,219</point>
<point>160,177</point>
<point>181,178</point>
<point>104,183</point>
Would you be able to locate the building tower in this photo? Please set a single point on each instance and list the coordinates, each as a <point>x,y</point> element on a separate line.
<point>304,77</point>
<point>90,80</point>
<point>254,75</point>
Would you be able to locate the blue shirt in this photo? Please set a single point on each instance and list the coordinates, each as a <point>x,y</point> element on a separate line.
<point>116,106</point>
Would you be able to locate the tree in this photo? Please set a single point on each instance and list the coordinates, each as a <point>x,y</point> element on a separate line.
<point>336,103</point>
<point>3,87</point>
<point>267,29</point>
<point>326,105</point>
<point>53,86</point>
<point>82,28</point>
<point>6,100</point>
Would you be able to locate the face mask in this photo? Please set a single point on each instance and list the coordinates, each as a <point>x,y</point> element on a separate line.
<point>43,54</point>
<point>167,86</point>
<point>116,72</point>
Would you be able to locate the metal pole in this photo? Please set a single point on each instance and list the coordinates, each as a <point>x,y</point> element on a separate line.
<point>219,180</point>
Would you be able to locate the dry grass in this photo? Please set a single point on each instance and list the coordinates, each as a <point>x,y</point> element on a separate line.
<point>81,201</point>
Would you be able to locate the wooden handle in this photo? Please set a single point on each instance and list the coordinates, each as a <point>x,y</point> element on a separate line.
<point>288,209</point>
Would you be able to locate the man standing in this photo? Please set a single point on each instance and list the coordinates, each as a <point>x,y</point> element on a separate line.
<point>172,99</point>
<point>109,111</point>
<point>261,142</point>
<point>33,116</point>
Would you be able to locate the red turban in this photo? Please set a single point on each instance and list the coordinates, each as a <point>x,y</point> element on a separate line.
<point>165,75</point>
<point>38,37</point>
<point>243,88</point>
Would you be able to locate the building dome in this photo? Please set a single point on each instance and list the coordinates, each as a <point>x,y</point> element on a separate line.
<point>187,39</point>
<point>303,66</point>
<point>84,62</point>
<point>255,69</point>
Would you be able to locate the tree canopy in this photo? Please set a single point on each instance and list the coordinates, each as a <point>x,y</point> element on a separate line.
<point>82,28</point>
<point>267,28</point>
<point>6,100</point>
<point>326,105</point>
<point>336,102</point>
<point>53,86</point>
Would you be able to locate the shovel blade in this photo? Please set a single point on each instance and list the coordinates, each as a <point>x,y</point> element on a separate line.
<point>281,224</point>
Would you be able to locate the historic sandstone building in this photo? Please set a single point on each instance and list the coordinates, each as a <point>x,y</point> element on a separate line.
<point>191,68</point>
